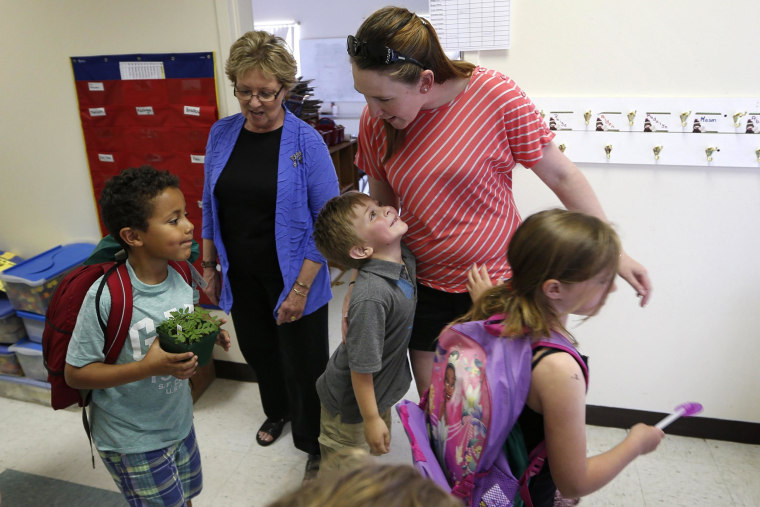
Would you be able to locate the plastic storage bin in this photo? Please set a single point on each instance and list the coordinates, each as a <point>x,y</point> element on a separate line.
<point>11,325</point>
<point>9,364</point>
<point>29,355</point>
<point>8,260</point>
<point>25,389</point>
<point>34,325</point>
<point>31,284</point>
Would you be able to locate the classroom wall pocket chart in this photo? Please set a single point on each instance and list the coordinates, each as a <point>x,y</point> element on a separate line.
<point>155,109</point>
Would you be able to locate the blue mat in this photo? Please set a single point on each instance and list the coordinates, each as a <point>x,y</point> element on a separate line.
<point>20,489</point>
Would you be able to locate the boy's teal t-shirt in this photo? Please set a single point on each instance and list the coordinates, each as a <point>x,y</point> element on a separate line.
<point>149,414</point>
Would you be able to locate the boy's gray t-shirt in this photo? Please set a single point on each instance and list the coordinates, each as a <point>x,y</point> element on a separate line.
<point>380,316</point>
<point>148,414</point>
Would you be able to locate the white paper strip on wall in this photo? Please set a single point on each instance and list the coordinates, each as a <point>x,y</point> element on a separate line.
<point>142,70</point>
<point>471,25</point>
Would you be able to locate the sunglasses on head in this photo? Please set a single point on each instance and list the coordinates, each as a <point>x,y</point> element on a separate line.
<point>377,52</point>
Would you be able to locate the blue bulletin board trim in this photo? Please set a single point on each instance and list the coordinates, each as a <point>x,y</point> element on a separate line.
<point>176,65</point>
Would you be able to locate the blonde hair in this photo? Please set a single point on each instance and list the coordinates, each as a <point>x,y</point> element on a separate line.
<point>413,36</point>
<point>334,231</point>
<point>362,481</point>
<point>567,246</point>
<point>262,51</point>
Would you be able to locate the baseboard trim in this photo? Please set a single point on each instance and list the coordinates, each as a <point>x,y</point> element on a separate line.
<point>697,427</point>
<point>234,371</point>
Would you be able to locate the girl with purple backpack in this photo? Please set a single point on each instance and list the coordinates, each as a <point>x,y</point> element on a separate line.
<point>562,263</point>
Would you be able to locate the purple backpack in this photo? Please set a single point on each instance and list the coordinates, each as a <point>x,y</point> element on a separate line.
<point>478,389</point>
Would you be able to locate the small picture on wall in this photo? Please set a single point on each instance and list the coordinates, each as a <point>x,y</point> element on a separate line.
<point>609,121</point>
<point>656,122</point>
<point>707,122</point>
<point>560,120</point>
<point>753,123</point>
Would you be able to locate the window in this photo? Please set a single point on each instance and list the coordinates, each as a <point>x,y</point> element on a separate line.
<point>288,30</point>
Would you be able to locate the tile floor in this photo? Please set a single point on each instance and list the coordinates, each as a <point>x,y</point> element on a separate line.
<point>240,473</point>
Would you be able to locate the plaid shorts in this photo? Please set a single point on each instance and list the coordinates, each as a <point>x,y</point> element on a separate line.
<point>165,477</point>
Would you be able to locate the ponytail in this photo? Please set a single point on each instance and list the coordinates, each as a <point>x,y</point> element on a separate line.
<point>566,246</point>
<point>521,314</point>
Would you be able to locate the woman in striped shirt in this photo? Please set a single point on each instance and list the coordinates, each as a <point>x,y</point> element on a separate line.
<point>439,139</point>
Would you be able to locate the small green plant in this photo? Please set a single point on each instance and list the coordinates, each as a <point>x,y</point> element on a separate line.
<point>187,326</point>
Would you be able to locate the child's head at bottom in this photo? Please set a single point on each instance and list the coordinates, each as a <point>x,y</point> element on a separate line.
<point>143,208</point>
<point>353,227</point>
<point>362,480</point>
<point>563,263</point>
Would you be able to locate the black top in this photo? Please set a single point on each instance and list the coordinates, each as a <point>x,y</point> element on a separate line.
<point>247,194</point>
<point>542,488</point>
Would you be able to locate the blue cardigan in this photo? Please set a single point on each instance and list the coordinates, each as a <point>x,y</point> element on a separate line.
<point>306,179</point>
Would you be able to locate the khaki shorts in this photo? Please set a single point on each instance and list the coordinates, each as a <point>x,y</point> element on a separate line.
<point>335,435</point>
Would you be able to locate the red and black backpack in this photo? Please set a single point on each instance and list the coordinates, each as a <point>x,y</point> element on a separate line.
<point>62,315</point>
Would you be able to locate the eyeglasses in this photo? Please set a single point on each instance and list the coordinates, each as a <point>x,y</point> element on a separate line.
<point>262,96</point>
<point>377,52</point>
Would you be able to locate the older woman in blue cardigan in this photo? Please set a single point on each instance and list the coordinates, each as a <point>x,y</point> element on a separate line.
<point>267,175</point>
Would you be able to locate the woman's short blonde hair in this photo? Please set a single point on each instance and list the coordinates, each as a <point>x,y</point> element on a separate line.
<point>262,51</point>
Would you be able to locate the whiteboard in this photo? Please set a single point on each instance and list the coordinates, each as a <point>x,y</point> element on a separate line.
<point>326,62</point>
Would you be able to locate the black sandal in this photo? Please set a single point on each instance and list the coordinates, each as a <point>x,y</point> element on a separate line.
<point>272,428</point>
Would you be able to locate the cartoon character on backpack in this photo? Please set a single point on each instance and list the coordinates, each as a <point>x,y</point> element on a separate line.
<point>458,417</point>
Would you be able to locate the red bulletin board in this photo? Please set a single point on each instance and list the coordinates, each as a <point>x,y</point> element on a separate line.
<point>154,109</point>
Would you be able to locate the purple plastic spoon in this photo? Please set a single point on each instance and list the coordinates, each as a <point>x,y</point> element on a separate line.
<point>683,410</point>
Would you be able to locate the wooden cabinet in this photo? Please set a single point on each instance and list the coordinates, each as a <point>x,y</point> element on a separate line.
<point>203,378</point>
<point>342,155</point>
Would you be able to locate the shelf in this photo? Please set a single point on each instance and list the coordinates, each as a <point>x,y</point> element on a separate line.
<point>342,155</point>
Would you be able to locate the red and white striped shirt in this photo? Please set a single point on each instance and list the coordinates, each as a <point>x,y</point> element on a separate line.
<point>453,176</point>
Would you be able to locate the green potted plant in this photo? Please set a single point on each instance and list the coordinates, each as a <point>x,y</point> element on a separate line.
<point>190,331</point>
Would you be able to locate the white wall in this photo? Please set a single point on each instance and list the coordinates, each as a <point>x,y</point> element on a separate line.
<point>46,196</point>
<point>694,228</point>
<point>326,18</point>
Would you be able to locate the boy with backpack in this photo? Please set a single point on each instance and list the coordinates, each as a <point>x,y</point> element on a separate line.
<point>142,412</point>
<point>369,372</point>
